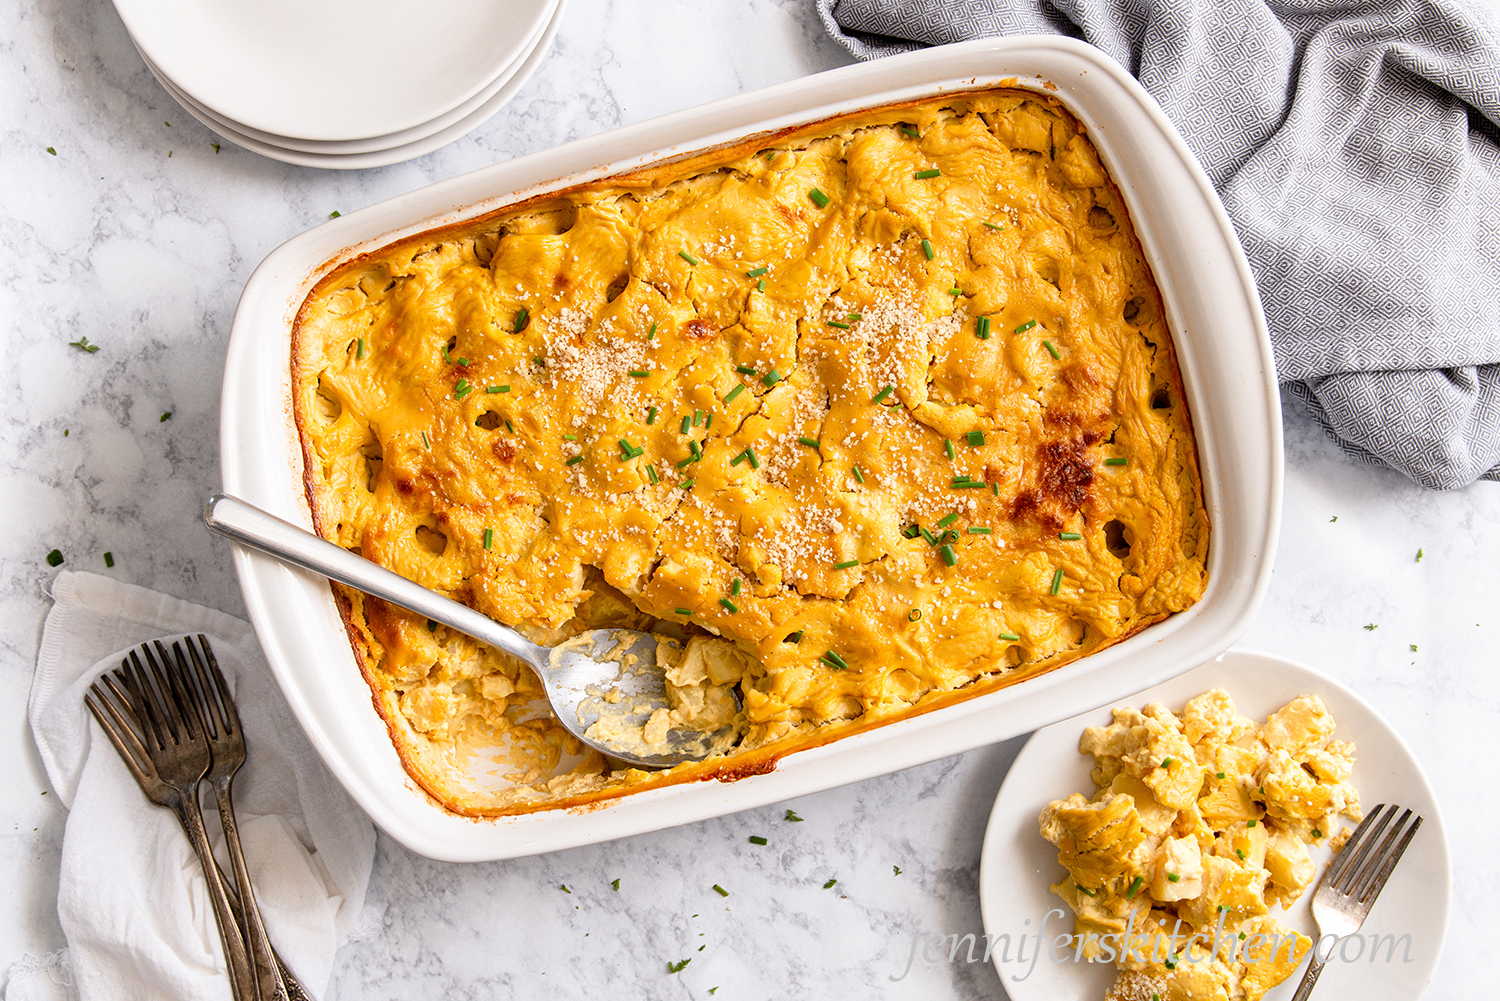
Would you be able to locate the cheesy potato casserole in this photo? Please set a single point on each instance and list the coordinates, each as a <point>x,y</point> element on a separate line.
<point>1199,825</point>
<point>861,419</point>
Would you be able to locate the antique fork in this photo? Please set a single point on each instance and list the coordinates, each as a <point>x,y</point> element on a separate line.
<point>205,683</point>
<point>1349,887</point>
<point>165,738</point>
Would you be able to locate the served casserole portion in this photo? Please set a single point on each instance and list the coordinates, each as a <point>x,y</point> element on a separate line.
<point>861,419</point>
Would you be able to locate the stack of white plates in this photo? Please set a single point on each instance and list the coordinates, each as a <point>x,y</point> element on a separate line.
<point>341,83</point>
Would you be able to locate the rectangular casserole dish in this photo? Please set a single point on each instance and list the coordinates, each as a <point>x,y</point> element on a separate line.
<point>1212,308</point>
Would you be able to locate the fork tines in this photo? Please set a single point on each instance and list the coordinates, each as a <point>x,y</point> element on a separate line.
<point>1361,869</point>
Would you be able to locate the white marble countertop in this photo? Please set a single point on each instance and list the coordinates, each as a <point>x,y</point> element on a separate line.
<point>139,235</point>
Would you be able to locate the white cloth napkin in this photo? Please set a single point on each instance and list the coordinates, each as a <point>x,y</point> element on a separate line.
<point>132,898</point>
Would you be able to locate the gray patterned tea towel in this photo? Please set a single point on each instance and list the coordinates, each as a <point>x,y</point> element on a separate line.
<point>1356,146</point>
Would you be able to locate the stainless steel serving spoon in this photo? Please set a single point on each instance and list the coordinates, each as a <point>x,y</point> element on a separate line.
<point>609,671</point>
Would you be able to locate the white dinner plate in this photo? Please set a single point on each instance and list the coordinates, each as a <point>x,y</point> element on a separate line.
<point>378,157</point>
<point>333,69</point>
<point>1018,865</point>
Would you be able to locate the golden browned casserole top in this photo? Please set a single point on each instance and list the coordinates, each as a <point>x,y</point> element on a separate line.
<point>888,404</point>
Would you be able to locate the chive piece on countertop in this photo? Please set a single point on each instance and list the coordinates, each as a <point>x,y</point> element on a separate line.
<point>83,344</point>
<point>574,461</point>
<point>734,588</point>
<point>52,150</point>
<point>489,538</point>
<point>948,520</point>
<point>1057,579</point>
<point>819,199</point>
<point>1051,350</point>
<point>859,474</point>
<point>1009,637</point>
<point>979,530</point>
<point>880,396</point>
<point>729,606</point>
<point>771,378</point>
<point>949,556</point>
<point>736,391</point>
<point>55,558</point>
<point>687,257</point>
<point>836,323</point>
<point>1130,893</point>
<point>1069,536</point>
<point>168,416</point>
<point>1118,460</point>
<point>615,883</point>
<point>638,373</point>
<point>745,369</point>
<point>927,250</point>
<point>683,611</point>
<point>923,175</point>
<point>975,438</point>
<point>109,559</point>
<point>720,890</point>
<point>757,272</point>
<point>830,884</point>
<point>651,472</point>
<point>756,839</point>
<point>791,816</point>
<point>948,449</point>
<point>651,415</point>
<point>1025,326</point>
<point>846,564</point>
<point>750,454</point>
<point>982,328</point>
<point>809,442</point>
<point>521,317</point>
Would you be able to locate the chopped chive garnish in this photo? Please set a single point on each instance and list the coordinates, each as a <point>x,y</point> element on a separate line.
<point>1069,536</point>
<point>55,558</point>
<point>626,447</point>
<point>878,397</point>
<point>948,520</point>
<point>1057,578</point>
<point>995,488</point>
<point>750,454</point>
<point>948,449</point>
<point>949,556</point>
<point>910,133</point>
<point>735,586</point>
<point>771,378</point>
<point>975,438</point>
<point>720,890</point>
<point>574,461</point>
<point>993,226</point>
<point>846,564</point>
<point>708,421</point>
<point>911,531</point>
<point>697,417</point>
<point>927,249</point>
<point>425,441</point>
<point>982,328</point>
<point>1118,460</point>
<point>694,447</point>
<point>539,360</point>
<point>757,272</point>
<point>932,540</point>
<point>461,390</point>
<point>497,389</point>
<point>686,427</point>
<point>955,290</point>
<point>737,459</point>
<point>464,362</point>
<point>855,317</point>
<point>760,286</point>
<point>978,530</point>
<point>683,611</point>
<point>923,175</point>
<point>164,417</point>
<point>833,660</point>
<point>446,359</point>
<point>1316,833</point>
<point>1084,889</point>
<point>968,485</point>
<point>1025,326</point>
<point>638,373</point>
<point>819,199</point>
<point>651,333</point>
<point>489,538</point>
<point>1166,762</point>
<point>730,606</point>
<point>1250,823</point>
<point>830,884</point>
<point>836,323</point>
<point>1172,877</point>
<point>756,839</point>
<point>359,349</point>
<point>687,257</point>
<point>1051,350</point>
<point>795,637</point>
<point>687,484</point>
<point>1009,637</point>
<point>736,391</point>
<point>570,437</point>
<point>1220,775</point>
<point>745,369</point>
<point>809,442</point>
<point>859,474</point>
<point>651,472</point>
<point>651,415</point>
<point>521,317</point>
<point>1130,893</point>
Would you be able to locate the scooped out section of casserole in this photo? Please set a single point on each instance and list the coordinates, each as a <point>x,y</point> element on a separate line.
<point>859,419</point>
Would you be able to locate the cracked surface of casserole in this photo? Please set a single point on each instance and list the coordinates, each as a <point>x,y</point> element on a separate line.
<point>868,417</point>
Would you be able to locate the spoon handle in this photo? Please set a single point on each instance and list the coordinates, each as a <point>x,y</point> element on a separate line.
<point>244,523</point>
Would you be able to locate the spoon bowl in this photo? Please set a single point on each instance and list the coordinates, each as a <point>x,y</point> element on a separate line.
<point>604,685</point>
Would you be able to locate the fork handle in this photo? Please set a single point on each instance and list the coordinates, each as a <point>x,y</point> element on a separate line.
<point>241,978</point>
<point>267,977</point>
<point>1310,978</point>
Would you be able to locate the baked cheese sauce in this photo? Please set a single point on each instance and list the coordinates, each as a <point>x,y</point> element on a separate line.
<point>882,409</point>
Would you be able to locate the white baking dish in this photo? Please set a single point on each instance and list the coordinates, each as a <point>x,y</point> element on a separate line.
<point>1223,348</point>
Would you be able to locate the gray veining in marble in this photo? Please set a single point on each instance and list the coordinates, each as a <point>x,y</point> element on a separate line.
<point>139,235</point>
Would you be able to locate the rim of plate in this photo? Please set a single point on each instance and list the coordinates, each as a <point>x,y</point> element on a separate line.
<point>1017,866</point>
<point>309,70</point>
